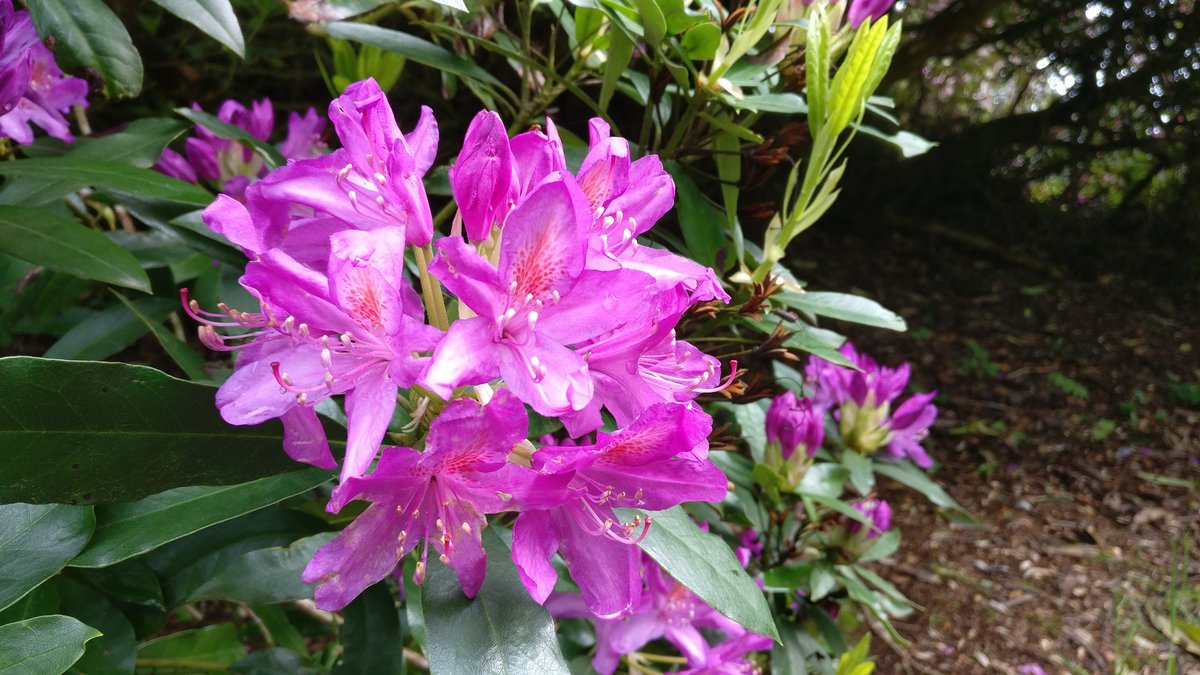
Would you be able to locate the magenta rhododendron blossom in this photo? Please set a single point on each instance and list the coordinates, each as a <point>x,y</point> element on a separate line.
<point>666,609</point>
<point>557,309</point>
<point>374,181</point>
<point>351,329</point>
<point>33,89</point>
<point>794,425</point>
<point>438,496</point>
<point>866,406</point>
<point>862,10</point>
<point>877,511</point>
<point>647,465</point>
<point>232,165</point>
<point>532,305</point>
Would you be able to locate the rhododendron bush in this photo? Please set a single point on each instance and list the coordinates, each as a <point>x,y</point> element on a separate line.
<point>489,381</point>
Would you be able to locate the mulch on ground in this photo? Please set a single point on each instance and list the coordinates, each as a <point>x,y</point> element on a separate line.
<point>1060,432</point>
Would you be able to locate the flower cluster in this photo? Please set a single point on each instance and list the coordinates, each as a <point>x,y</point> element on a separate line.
<point>559,308</point>
<point>33,89</point>
<point>667,610</point>
<point>866,406</point>
<point>858,11</point>
<point>231,165</point>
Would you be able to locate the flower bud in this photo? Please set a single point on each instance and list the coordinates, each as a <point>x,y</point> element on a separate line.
<point>482,176</point>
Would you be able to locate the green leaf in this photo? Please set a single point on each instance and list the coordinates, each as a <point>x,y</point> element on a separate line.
<point>188,563</point>
<point>214,17</point>
<point>274,661</point>
<point>816,63</point>
<point>112,177</point>
<point>265,576</point>
<point>184,356</point>
<point>699,221</point>
<point>909,144</point>
<point>843,306</point>
<point>654,24</point>
<point>421,51</point>
<point>114,650</point>
<point>89,32</point>
<point>705,564</point>
<point>44,644</point>
<point>126,530</point>
<point>910,475</point>
<point>371,637</point>
<point>700,42</point>
<point>501,631</point>
<point>130,583</point>
<point>64,245</point>
<point>101,432</point>
<point>108,331</point>
<point>209,648</point>
<point>822,581</point>
<point>885,545</point>
<point>220,129</point>
<point>861,475</point>
<point>786,103</point>
<point>36,542</point>
<point>620,52</point>
<point>41,600</point>
<point>824,479</point>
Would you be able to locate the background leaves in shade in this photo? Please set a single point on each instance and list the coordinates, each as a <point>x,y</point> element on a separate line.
<point>706,565</point>
<point>126,530</point>
<point>89,32</point>
<point>38,541</point>
<point>211,648</point>
<point>412,47</point>
<point>264,576</point>
<point>82,431</point>
<point>113,651</point>
<point>43,644</point>
<point>501,631</point>
<point>371,637</point>
<point>62,244</point>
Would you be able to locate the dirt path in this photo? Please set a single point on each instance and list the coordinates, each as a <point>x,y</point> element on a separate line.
<point>1068,429</point>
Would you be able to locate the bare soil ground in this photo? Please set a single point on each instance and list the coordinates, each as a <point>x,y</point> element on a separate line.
<point>1066,431</point>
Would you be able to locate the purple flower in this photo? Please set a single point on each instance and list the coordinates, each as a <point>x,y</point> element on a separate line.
<point>861,10</point>
<point>867,415</point>
<point>647,465</point>
<point>532,305</point>
<point>666,609</point>
<point>482,177</point>
<point>794,425</point>
<point>232,165</point>
<point>351,328</point>
<point>877,511</point>
<point>440,496</point>
<point>1031,669</point>
<point>374,181</point>
<point>33,89</point>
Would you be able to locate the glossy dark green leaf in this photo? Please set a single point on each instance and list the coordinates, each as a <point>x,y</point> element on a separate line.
<point>705,564</point>
<point>43,644</point>
<point>64,245</point>
<point>112,177</point>
<point>130,583</point>
<point>91,35</point>
<point>139,144</point>
<point>214,17</point>
<point>411,47</point>
<point>212,648</point>
<point>111,653</point>
<point>36,542</point>
<point>187,564</point>
<point>126,530</point>
<point>371,637</point>
<point>265,576</point>
<point>699,221</point>
<point>102,432</point>
<point>501,631</point>
<point>233,133</point>
<point>845,307</point>
<point>109,330</point>
<point>40,601</point>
